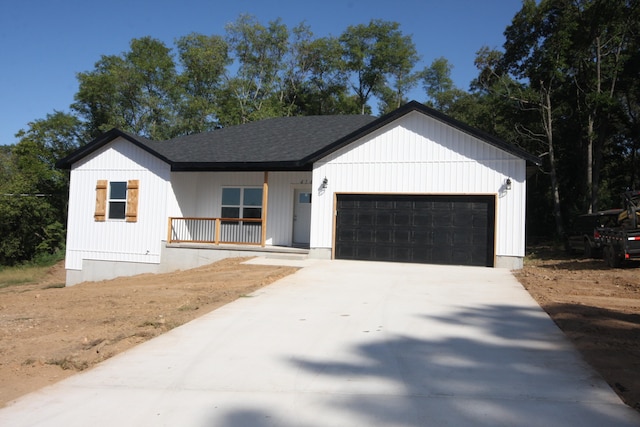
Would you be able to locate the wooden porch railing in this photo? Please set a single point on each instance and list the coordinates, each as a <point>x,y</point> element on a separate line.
<point>240,231</point>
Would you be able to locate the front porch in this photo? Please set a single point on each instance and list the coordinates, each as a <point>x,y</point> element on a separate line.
<point>253,209</point>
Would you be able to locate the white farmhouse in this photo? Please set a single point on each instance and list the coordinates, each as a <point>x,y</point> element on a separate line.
<point>411,186</point>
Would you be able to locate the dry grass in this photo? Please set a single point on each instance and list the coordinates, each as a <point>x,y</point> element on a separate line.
<point>22,275</point>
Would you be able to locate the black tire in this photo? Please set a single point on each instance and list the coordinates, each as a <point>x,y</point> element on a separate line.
<point>611,258</point>
<point>605,256</point>
<point>588,250</point>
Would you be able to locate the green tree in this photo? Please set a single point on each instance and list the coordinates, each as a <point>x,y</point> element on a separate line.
<point>378,55</point>
<point>135,92</point>
<point>34,195</point>
<point>259,52</point>
<point>628,115</point>
<point>324,89</point>
<point>537,48</point>
<point>437,82</point>
<point>604,32</point>
<point>204,60</point>
<point>576,59</point>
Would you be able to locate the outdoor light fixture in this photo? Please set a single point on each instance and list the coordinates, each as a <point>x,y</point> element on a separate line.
<point>508,184</point>
<point>325,182</point>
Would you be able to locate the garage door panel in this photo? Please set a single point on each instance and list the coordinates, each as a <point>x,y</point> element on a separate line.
<point>462,237</point>
<point>421,254</point>
<point>384,218</point>
<point>402,236</point>
<point>347,217</point>
<point>402,219</point>
<point>384,236</point>
<point>345,252</point>
<point>443,237</point>
<point>402,253</point>
<point>421,237</point>
<point>383,204</point>
<point>442,218</point>
<point>408,228</point>
<point>365,236</point>
<point>346,235</point>
<point>421,219</point>
<point>461,218</point>
<point>478,221</point>
<point>384,253</point>
<point>441,257</point>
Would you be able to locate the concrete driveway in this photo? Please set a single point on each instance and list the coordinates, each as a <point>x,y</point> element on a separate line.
<point>347,344</point>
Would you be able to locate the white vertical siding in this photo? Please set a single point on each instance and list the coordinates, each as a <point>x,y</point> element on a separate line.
<point>417,154</point>
<point>199,194</point>
<point>116,240</point>
<point>281,202</point>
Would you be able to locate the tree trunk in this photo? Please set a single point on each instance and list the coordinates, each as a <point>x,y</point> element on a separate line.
<point>547,119</point>
<point>591,183</point>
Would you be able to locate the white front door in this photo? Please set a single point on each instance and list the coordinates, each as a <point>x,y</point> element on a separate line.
<point>302,216</point>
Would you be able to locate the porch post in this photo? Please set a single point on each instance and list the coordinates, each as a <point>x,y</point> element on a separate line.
<point>169,230</point>
<point>265,205</point>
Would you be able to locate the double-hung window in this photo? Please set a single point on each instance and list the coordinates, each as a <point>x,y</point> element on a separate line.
<point>241,202</point>
<point>117,200</point>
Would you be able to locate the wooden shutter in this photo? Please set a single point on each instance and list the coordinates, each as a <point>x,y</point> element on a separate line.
<point>132,201</point>
<point>101,200</point>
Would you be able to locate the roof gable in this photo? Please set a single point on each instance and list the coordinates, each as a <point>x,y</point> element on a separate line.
<point>434,114</point>
<point>101,141</point>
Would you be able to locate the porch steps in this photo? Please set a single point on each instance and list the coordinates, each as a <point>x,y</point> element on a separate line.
<point>290,257</point>
<point>289,260</point>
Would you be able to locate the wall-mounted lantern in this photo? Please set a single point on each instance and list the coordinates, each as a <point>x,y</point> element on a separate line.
<point>325,182</point>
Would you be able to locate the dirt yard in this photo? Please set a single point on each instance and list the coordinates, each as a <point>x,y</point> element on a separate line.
<point>48,332</point>
<point>598,308</point>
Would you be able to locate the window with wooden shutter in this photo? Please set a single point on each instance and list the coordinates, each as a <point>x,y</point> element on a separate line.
<point>117,200</point>
<point>101,200</point>
<point>132,200</point>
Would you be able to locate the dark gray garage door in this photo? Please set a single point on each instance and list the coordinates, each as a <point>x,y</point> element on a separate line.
<point>457,230</point>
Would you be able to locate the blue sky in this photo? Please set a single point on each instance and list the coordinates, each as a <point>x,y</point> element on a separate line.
<point>45,43</point>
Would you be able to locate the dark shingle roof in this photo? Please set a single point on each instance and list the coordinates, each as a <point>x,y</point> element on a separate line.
<point>285,140</point>
<point>284,143</point>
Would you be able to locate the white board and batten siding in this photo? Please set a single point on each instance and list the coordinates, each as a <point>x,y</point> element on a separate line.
<point>117,240</point>
<point>199,194</point>
<point>417,154</point>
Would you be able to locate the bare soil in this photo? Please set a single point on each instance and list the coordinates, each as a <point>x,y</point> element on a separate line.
<point>598,309</point>
<point>49,332</point>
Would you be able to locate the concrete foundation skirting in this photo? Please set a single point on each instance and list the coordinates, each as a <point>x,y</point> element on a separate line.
<point>172,258</point>
<point>96,270</point>
<point>176,257</point>
<point>510,262</point>
<point>320,253</point>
